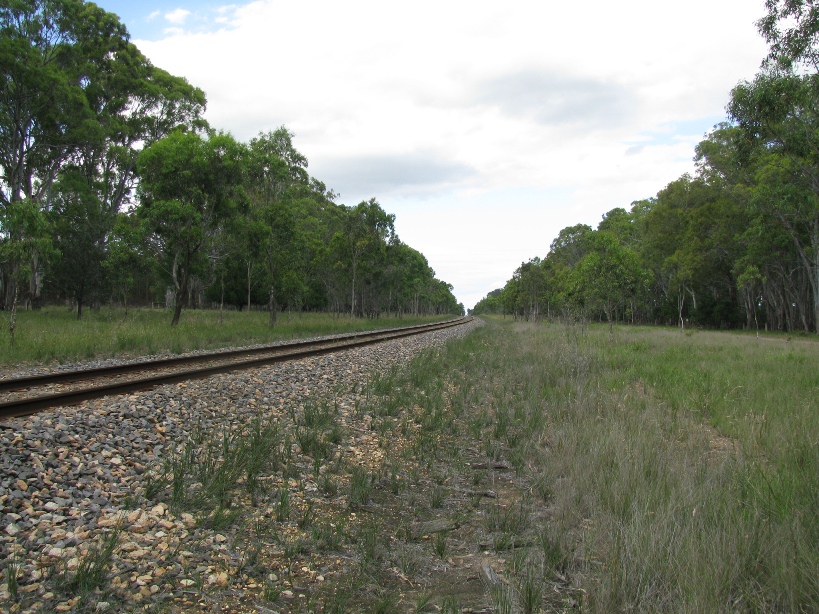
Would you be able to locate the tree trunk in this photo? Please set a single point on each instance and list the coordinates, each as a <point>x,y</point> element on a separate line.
<point>272,307</point>
<point>80,296</point>
<point>177,309</point>
<point>222,298</point>
<point>13,319</point>
<point>180,287</point>
<point>352,295</point>
<point>248,287</point>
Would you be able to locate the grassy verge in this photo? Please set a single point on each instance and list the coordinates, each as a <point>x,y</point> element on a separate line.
<point>55,335</point>
<point>680,472</point>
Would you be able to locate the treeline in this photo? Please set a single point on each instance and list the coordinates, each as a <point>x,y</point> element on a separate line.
<point>734,245</point>
<point>115,189</point>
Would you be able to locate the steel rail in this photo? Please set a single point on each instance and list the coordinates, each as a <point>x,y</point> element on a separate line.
<point>292,351</point>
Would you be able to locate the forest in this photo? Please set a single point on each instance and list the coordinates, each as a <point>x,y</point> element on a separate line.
<point>115,190</point>
<point>733,245</point>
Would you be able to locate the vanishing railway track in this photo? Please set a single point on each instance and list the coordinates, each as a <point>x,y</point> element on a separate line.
<point>28,395</point>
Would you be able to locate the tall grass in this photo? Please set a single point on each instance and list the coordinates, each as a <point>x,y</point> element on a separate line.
<point>680,471</point>
<point>54,334</point>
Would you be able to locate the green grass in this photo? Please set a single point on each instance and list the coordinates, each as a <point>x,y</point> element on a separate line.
<point>688,464</point>
<point>54,334</point>
<point>680,471</point>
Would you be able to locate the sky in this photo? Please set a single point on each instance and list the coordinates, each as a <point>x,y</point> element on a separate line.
<point>485,127</point>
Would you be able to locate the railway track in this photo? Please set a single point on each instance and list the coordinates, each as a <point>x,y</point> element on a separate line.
<point>28,395</point>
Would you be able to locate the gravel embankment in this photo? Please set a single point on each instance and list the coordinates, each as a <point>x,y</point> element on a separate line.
<point>70,475</point>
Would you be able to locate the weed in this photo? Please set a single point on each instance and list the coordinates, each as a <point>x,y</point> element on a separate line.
<point>93,568</point>
<point>450,605</point>
<point>12,570</point>
<point>367,542</point>
<point>283,505</point>
<point>385,602</point>
<point>530,587</point>
<point>407,560</point>
<point>422,602</point>
<point>551,550</point>
<point>307,516</point>
<point>439,544</point>
<point>361,486</point>
<point>328,485</point>
<point>503,598</point>
<point>219,518</point>
<point>271,592</point>
<point>438,497</point>
<point>328,537</point>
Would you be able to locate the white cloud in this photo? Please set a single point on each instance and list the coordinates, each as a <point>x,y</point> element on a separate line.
<point>177,16</point>
<point>472,105</point>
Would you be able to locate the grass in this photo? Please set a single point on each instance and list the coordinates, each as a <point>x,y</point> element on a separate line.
<point>54,335</point>
<point>92,571</point>
<point>687,465</point>
<point>679,471</point>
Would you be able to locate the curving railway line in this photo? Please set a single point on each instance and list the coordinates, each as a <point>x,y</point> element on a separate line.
<point>28,395</point>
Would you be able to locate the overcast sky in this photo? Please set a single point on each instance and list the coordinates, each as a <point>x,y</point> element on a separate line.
<point>484,127</point>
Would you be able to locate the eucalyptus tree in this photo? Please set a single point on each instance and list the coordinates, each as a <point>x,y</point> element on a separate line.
<point>361,245</point>
<point>609,276</point>
<point>126,258</point>
<point>791,29</point>
<point>275,173</point>
<point>490,304</point>
<point>778,113</point>
<point>190,185</point>
<point>42,110</point>
<point>527,290</point>
<point>406,274</point>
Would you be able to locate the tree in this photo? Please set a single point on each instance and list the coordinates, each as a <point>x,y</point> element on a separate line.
<point>125,256</point>
<point>361,245</point>
<point>275,172</point>
<point>189,186</point>
<point>81,229</point>
<point>779,115</point>
<point>24,243</point>
<point>791,28</point>
<point>610,275</point>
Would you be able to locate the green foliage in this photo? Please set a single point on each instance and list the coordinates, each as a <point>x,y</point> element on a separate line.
<point>190,186</point>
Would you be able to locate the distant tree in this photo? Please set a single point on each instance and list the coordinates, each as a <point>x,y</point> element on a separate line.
<point>361,245</point>
<point>26,241</point>
<point>125,257</point>
<point>190,185</point>
<point>275,171</point>
<point>610,275</point>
